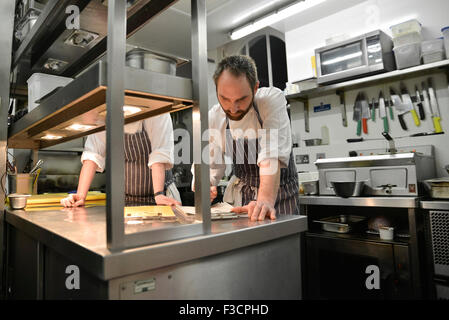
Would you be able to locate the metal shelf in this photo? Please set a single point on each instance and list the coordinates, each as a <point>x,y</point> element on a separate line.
<point>46,40</point>
<point>83,101</point>
<point>383,78</point>
<point>390,202</point>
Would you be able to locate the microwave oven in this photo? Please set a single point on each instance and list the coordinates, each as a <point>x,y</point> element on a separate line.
<point>365,55</point>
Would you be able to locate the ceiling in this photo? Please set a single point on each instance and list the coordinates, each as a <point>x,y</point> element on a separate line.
<point>222,17</point>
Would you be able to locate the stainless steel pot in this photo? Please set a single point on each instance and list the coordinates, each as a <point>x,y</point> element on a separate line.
<point>144,59</point>
<point>346,189</point>
<point>18,201</point>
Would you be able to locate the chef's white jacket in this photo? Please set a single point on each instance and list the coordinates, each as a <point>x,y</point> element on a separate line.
<point>160,133</point>
<point>272,107</point>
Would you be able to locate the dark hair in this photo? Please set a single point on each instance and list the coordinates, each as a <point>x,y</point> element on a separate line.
<point>238,65</point>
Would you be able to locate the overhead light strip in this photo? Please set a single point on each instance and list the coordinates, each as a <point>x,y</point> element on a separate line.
<point>272,18</point>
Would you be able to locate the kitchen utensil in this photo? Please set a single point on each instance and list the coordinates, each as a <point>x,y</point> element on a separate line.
<point>422,114</point>
<point>310,187</point>
<point>386,233</point>
<point>400,107</point>
<point>366,114</point>
<point>390,108</point>
<point>36,166</point>
<point>406,100</point>
<point>347,189</point>
<point>421,134</point>
<point>344,118</point>
<point>357,116</point>
<point>341,223</point>
<point>18,201</point>
<point>373,109</point>
<point>313,142</point>
<point>434,106</point>
<point>383,112</point>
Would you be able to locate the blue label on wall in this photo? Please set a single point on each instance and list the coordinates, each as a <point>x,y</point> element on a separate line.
<point>322,107</point>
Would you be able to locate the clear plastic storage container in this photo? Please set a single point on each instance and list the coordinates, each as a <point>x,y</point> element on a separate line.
<point>445,32</point>
<point>432,50</point>
<point>408,55</point>
<point>407,38</point>
<point>41,84</point>
<point>406,27</point>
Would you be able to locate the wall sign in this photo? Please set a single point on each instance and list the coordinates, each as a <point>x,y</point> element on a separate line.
<point>322,107</point>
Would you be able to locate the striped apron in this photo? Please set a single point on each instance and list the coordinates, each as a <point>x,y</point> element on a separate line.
<point>138,178</point>
<point>247,173</point>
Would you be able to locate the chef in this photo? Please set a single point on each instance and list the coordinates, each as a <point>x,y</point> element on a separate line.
<point>254,131</point>
<point>148,161</point>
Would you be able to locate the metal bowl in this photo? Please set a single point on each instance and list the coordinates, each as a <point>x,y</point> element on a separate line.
<point>18,201</point>
<point>313,142</point>
<point>346,189</point>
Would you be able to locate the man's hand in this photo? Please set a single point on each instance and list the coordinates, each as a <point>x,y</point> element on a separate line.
<point>213,193</point>
<point>73,200</point>
<point>162,200</point>
<point>257,210</point>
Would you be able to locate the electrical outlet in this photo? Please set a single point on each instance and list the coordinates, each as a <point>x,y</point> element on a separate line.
<point>302,159</point>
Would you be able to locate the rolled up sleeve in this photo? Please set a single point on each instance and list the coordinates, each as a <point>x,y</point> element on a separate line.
<point>275,138</point>
<point>95,150</point>
<point>160,131</point>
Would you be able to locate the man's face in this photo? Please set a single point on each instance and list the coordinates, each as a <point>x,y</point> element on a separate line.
<point>235,94</point>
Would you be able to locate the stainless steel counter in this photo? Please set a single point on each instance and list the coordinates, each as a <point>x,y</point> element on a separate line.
<point>391,202</point>
<point>435,205</point>
<point>81,235</point>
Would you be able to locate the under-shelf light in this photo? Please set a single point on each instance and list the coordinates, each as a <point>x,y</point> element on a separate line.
<point>51,137</point>
<point>130,110</point>
<point>80,127</point>
<point>272,18</point>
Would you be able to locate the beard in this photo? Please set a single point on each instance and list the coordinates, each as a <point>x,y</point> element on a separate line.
<point>239,115</point>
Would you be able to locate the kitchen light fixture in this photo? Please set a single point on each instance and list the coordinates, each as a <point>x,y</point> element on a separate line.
<point>79,127</point>
<point>130,110</point>
<point>274,17</point>
<point>51,137</point>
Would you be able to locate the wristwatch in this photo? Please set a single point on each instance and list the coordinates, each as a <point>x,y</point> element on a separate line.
<point>159,193</point>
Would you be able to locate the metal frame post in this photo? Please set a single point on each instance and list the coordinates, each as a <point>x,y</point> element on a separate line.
<point>7,9</point>
<point>115,99</point>
<point>200,112</point>
<point>117,239</point>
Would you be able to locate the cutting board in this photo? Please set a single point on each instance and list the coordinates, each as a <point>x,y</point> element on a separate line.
<point>149,211</point>
<point>50,198</point>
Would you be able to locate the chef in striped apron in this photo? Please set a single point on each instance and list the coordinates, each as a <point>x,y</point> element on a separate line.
<point>254,131</point>
<point>149,157</point>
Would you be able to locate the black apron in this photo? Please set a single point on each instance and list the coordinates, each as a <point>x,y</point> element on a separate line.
<point>138,179</point>
<point>246,169</point>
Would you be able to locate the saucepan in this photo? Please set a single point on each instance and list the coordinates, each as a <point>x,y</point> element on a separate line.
<point>347,189</point>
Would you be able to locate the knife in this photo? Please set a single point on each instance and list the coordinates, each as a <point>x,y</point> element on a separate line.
<point>357,116</point>
<point>397,103</point>
<point>422,114</point>
<point>434,106</point>
<point>366,114</point>
<point>373,110</point>
<point>407,101</point>
<point>383,112</point>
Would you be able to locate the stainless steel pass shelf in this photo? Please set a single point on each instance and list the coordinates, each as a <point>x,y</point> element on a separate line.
<point>435,205</point>
<point>79,109</point>
<point>396,75</point>
<point>389,202</point>
<point>81,235</point>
